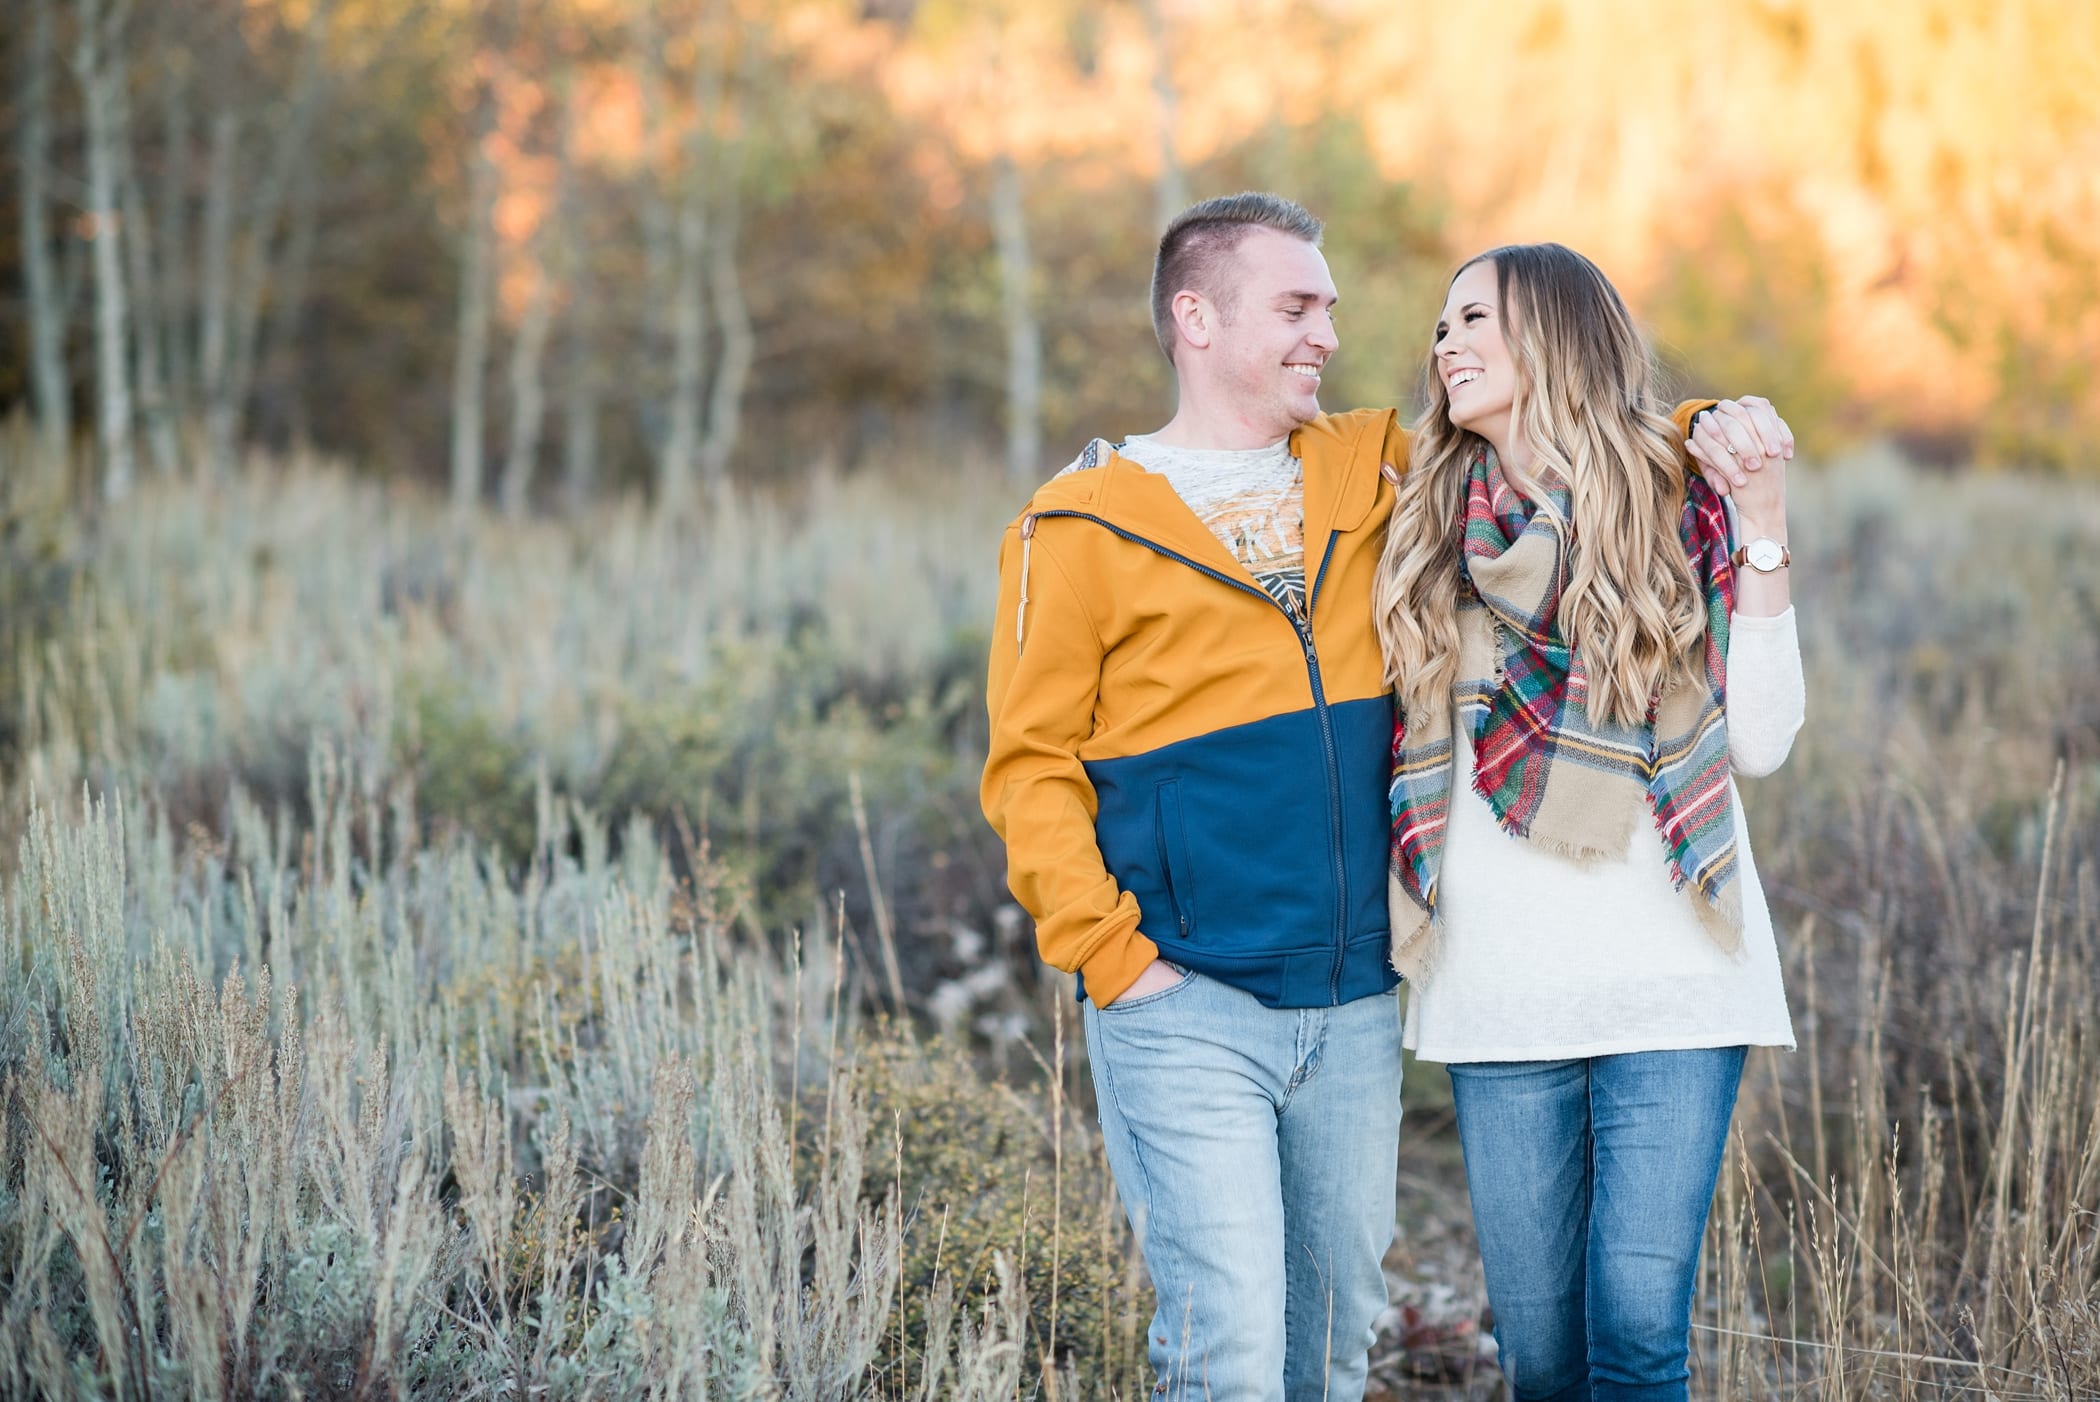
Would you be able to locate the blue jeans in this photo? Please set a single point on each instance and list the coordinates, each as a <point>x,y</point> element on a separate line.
<point>1591,1183</point>
<point>1254,1149</point>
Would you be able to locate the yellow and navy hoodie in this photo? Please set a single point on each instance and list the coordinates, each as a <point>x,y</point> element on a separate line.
<point>1180,768</point>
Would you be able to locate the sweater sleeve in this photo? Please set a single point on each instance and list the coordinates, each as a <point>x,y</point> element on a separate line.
<point>1035,790</point>
<point>1767,698</point>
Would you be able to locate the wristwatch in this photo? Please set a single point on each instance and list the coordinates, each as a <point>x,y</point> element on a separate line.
<point>1763,555</point>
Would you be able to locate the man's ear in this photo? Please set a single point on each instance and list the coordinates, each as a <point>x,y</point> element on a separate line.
<point>1194,318</point>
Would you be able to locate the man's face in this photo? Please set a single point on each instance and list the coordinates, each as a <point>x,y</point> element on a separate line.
<point>1275,330</point>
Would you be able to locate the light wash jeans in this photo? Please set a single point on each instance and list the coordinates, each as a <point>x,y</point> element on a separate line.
<point>1254,1149</point>
<point>1591,1183</point>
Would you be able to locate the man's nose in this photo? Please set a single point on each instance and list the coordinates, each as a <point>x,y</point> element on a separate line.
<point>1324,335</point>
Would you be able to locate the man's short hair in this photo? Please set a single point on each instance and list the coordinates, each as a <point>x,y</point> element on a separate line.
<point>1195,248</point>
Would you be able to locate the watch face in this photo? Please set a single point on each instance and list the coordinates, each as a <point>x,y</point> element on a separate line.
<point>1764,554</point>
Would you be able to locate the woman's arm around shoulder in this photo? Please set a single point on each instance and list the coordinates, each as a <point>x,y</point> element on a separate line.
<point>1767,695</point>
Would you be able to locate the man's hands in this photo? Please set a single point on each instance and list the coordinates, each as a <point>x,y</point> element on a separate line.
<point>1158,976</point>
<point>1738,438</point>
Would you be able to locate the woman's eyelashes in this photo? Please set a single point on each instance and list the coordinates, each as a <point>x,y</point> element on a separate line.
<point>1469,316</point>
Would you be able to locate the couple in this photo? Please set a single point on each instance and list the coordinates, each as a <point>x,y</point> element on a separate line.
<point>1286,704</point>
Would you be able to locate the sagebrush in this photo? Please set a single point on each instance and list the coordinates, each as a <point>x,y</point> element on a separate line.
<point>457,958</point>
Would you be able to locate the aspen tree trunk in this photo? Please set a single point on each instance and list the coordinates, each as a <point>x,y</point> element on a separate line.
<point>528,397</point>
<point>659,251</point>
<point>555,250</point>
<point>156,415</point>
<point>257,252</point>
<point>688,332</point>
<point>215,313</point>
<point>97,63</point>
<point>689,304</point>
<point>47,305</point>
<point>725,408</point>
<point>471,353</point>
<point>75,276</point>
<point>280,354</point>
<point>1171,193</point>
<point>1024,338</point>
<point>177,294</point>
<point>579,443</point>
<point>579,468</point>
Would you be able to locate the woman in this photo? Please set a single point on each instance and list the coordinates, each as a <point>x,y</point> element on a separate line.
<point>1582,649</point>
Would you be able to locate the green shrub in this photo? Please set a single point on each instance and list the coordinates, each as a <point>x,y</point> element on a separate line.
<point>471,776</point>
<point>982,1177</point>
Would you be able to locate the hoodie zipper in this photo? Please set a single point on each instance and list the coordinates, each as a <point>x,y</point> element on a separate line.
<point>1303,628</point>
<point>1334,781</point>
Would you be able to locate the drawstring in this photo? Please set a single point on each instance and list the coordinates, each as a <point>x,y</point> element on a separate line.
<point>1091,456</point>
<point>1027,545</point>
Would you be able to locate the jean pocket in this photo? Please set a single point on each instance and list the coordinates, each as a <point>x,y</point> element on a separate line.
<point>1126,1005</point>
<point>1174,856</point>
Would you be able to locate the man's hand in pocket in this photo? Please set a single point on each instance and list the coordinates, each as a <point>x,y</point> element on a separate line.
<point>1158,975</point>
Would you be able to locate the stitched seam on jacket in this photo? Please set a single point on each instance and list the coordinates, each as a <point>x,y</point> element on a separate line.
<point>1044,551</point>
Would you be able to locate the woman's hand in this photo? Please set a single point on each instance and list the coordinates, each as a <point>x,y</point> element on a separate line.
<point>1760,503</point>
<point>1760,514</point>
<point>1737,440</point>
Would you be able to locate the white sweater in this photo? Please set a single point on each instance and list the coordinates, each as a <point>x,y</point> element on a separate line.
<point>1542,957</point>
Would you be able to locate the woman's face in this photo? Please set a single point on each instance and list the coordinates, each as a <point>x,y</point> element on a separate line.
<point>1480,378</point>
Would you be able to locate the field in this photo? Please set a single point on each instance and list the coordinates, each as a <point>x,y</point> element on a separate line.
<point>447,956</point>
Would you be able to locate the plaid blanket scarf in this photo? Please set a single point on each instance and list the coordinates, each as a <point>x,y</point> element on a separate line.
<point>1552,774</point>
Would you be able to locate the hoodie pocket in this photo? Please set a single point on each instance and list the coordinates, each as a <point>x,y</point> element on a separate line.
<point>1174,856</point>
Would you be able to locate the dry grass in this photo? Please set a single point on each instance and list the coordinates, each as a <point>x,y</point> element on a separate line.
<point>425,970</point>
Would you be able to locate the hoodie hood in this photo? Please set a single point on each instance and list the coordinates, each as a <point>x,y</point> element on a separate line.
<point>1343,455</point>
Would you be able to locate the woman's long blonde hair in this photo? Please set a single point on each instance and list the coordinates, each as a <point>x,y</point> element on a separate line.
<point>1586,403</point>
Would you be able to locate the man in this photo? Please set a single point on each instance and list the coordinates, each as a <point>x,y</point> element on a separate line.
<point>1189,755</point>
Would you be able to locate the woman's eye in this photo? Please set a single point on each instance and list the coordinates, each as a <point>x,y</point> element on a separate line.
<point>1475,316</point>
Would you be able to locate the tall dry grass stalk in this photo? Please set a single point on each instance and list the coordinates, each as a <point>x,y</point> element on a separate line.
<point>1935,1239</point>
<point>1910,1206</point>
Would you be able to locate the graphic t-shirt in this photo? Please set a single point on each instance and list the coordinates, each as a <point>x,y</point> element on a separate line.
<point>1252,499</point>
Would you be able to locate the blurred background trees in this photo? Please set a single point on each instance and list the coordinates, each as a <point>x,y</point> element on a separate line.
<point>542,249</point>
